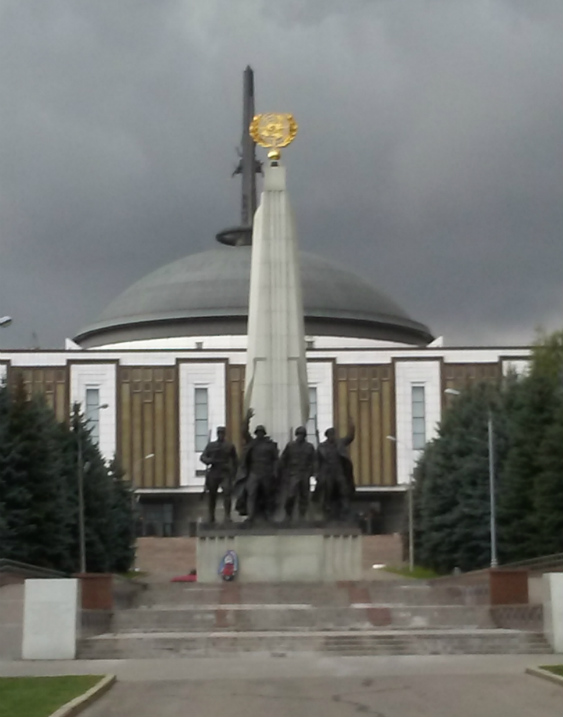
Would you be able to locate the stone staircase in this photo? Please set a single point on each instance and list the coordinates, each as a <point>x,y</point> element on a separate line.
<point>365,618</point>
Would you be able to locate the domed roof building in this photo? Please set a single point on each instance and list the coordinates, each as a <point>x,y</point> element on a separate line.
<point>166,360</point>
<point>206,294</point>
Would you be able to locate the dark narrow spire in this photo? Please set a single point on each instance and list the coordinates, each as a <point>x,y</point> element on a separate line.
<point>247,167</point>
<point>248,154</point>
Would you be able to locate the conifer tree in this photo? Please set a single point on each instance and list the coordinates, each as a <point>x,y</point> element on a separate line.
<point>547,366</point>
<point>452,496</point>
<point>41,464</point>
<point>97,492</point>
<point>530,413</point>
<point>3,438</point>
<point>123,518</point>
<point>548,502</point>
<point>33,489</point>
<point>547,356</point>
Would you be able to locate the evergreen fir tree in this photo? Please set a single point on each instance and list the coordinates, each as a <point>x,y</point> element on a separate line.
<point>547,366</point>
<point>4,410</point>
<point>548,485</point>
<point>547,356</point>
<point>66,441</point>
<point>123,518</point>
<point>36,528</point>
<point>452,495</point>
<point>97,487</point>
<point>530,411</point>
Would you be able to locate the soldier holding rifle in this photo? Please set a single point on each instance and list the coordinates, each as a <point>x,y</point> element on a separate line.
<point>220,457</point>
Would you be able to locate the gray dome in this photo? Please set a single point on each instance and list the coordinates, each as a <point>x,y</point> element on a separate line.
<point>207,294</point>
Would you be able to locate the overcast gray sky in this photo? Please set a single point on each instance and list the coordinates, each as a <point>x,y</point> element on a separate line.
<point>429,157</point>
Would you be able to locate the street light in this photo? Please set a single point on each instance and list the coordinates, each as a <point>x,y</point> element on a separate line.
<point>5,321</point>
<point>492,499</point>
<point>137,464</point>
<point>394,440</point>
<point>133,470</point>
<point>144,458</point>
<point>81,521</point>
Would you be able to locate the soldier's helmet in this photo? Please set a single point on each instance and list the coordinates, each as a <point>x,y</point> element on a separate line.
<point>301,431</point>
<point>260,429</point>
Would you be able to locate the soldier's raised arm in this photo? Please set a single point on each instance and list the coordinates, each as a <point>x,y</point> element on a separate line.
<point>351,433</point>
<point>246,426</point>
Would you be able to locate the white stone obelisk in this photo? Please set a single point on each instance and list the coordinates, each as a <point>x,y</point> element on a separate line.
<point>276,370</point>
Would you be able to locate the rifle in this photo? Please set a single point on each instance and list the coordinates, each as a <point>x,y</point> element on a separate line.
<point>317,436</point>
<point>206,481</point>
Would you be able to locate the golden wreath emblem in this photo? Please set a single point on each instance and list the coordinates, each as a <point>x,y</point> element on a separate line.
<point>273,130</point>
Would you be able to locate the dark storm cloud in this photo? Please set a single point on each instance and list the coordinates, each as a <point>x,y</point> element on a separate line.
<point>429,157</point>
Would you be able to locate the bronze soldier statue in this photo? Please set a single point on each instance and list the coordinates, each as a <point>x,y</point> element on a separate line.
<point>258,479</point>
<point>297,466</point>
<point>220,457</point>
<point>335,474</point>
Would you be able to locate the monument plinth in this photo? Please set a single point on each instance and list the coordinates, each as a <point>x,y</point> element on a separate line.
<point>275,554</point>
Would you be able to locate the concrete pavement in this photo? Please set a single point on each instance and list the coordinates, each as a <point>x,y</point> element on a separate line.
<point>414,696</point>
<point>254,685</point>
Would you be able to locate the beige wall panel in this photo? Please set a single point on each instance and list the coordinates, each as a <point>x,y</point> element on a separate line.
<point>388,430</point>
<point>172,477</point>
<point>147,464</point>
<point>376,458</point>
<point>365,474</point>
<point>125,447</point>
<point>49,382</point>
<point>60,402</point>
<point>354,414</point>
<point>235,426</point>
<point>235,403</point>
<point>342,408</point>
<point>158,460</point>
<point>137,436</point>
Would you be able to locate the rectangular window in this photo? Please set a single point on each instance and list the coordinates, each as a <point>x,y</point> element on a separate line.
<point>312,422</point>
<point>92,413</point>
<point>201,400</point>
<point>418,418</point>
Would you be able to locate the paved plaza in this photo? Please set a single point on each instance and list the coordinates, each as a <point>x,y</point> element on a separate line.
<point>313,686</point>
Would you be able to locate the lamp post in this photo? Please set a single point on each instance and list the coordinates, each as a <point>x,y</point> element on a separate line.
<point>394,440</point>
<point>141,460</point>
<point>135,497</point>
<point>81,517</point>
<point>492,481</point>
<point>136,465</point>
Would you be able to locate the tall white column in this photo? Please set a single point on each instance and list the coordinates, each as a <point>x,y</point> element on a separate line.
<point>276,373</point>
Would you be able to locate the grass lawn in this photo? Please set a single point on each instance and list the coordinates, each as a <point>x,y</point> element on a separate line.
<point>417,573</point>
<point>556,669</point>
<point>131,574</point>
<point>40,696</point>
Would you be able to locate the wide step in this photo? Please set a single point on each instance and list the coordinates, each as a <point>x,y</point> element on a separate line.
<point>319,594</point>
<point>374,642</point>
<point>300,616</point>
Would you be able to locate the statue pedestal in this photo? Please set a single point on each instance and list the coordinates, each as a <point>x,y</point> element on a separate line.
<point>281,555</point>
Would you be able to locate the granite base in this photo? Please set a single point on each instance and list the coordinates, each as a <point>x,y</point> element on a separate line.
<point>313,554</point>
